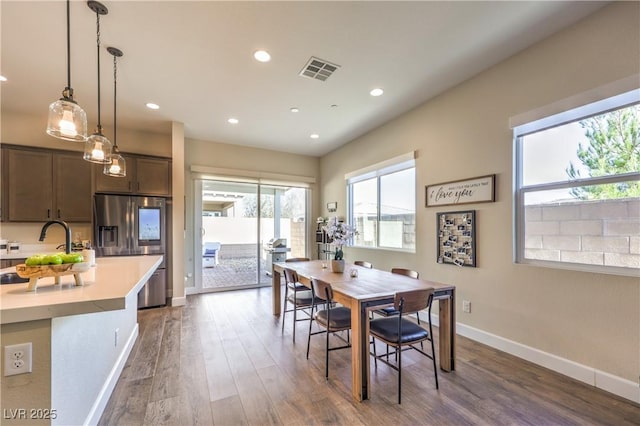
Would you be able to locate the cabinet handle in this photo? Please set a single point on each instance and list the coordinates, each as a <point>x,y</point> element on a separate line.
<point>58,213</point>
<point>48,213</point>
<point>138,187</point>
<point>129,185</point>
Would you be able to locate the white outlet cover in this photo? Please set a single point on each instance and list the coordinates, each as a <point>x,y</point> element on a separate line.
<point>17,359</point>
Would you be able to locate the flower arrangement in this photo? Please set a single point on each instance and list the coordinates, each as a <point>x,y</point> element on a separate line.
<point>340,233</point>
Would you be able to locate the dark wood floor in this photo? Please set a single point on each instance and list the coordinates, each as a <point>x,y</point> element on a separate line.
<point>223,360</point>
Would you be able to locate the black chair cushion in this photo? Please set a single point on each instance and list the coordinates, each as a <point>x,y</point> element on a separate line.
<point>297,286</point>
<point>387,330</point>
<point>340,318</point>
<point>387,312</point>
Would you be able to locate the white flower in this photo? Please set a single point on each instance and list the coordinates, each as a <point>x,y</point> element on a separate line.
<point>340,234</point>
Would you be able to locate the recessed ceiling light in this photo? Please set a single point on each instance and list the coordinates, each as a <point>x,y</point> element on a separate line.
<point>151,105</point>
<point>376,92</point>
<point>262,56</point>
<point>3,78</point>
<point>233,120</point>
<point>314,136</point>
<point>294,109</point>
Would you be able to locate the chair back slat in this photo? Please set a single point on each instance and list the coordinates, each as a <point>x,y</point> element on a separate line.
<point>290,276</point>
<point>297,259</point>
<point>322,289</point>
<point>363,263</point>
<point>406,272</point>
<point>413,300</point>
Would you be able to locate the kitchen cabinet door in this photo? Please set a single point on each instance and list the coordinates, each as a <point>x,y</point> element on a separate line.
<point>116,185</point>
<point>72,180</point>
<point>153,176</point>
<point>28,175</point>
<point>145,176</point>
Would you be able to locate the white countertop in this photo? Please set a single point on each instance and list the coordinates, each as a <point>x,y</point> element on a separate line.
<point>106,287</point>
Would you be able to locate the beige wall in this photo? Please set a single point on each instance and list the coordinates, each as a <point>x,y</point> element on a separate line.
<point>225,156</point>
<point>591,319</point>
<point>20,129</point>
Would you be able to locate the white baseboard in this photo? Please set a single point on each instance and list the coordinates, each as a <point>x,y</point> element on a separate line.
<point>179,301</point>
<point>105,393</point>
<point>616,385</point>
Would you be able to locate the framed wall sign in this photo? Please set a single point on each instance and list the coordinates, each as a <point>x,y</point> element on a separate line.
<point>332,206</point>
<point>456,236</point>
<point>475,190</point>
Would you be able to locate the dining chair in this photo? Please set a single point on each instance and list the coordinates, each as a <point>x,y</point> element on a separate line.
<point>298,296</point>
<point>363,263</point>
<point>399,332</point>
<point>391,311</point>
<point>297,259</point>
<point>332,319</point>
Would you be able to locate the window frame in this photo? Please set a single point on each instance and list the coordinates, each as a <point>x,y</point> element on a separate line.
<point>377,171</point>
<point>571,115</point>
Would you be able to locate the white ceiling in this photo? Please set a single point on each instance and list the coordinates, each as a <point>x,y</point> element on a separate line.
<point>195,60</point>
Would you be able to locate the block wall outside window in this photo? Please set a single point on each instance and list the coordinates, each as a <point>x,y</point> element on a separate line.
<point>601,232</point>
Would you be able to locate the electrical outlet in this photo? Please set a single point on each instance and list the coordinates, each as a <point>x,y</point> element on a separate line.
<point>17,359</point>
<point>115,342</point>
<point>466,306</point>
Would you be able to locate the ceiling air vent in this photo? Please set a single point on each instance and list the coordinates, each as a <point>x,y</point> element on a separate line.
<point>318,69</point>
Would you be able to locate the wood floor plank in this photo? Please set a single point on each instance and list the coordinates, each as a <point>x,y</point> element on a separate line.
<point>146,357</point>
<point>165,412</point>
<point>220,380</point>
<point>223,360</point>
<point>166,380</point>
<point>228,411</point>
<point>194,389</point>
<point>128,403</point>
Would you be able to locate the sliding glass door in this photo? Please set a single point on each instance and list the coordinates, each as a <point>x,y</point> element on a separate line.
<point>244,228</point>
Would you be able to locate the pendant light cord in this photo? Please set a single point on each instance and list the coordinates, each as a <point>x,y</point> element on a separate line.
<point>99,128</point>
<point>68,45</point>
<point>115,127</point>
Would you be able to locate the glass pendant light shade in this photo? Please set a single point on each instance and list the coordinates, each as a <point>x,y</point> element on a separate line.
<point>118,166</point>
<point>97,149</point>
<point>66,119</point>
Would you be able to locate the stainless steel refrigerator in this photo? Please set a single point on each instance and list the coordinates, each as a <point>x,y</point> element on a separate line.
<point>128,226</point>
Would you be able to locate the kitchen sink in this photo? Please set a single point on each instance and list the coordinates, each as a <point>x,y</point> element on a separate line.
<point>12,278</point>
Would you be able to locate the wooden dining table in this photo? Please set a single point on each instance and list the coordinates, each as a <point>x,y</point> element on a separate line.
<point>371,289</point>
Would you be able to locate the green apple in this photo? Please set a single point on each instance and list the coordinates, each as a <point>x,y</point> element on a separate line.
<point>71,258</point>
<point>34,260</point>
<point>52,259</point>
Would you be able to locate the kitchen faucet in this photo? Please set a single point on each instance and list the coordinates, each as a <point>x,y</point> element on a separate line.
<point>67,243</point>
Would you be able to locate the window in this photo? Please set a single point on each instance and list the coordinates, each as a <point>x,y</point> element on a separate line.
<point>382,204</point>
<point>577,178</point>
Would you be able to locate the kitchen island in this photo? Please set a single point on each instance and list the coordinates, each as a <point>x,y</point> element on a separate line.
<point>81,337</point>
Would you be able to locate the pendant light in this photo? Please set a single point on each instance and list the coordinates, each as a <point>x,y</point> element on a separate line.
<point>97,149</point>
<point>118,166</point>
<point>66,119</point>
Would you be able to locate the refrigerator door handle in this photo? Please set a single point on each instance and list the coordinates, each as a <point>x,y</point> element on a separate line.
<point>130,224</point>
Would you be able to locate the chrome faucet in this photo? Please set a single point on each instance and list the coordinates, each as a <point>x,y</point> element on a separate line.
<point>67,242</point>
